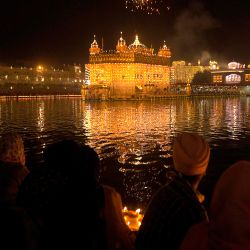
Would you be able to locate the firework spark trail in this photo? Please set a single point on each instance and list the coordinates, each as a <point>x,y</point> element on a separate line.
<point>148,6</point>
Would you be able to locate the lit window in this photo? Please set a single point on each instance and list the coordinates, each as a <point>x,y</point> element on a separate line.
<point>217,78</point>
<point>233,78</point>
<point>247,77</point>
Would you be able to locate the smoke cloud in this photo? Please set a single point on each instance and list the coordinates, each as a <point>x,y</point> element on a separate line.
<point>205,57</point>
<point>190,32</point>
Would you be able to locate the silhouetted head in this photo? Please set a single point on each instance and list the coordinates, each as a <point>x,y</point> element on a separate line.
<point>73,158</point>
<point>230,209</point>
<point>191,155</point>
<point>68,177</point>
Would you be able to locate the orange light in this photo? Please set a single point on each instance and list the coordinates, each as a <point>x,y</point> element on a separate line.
<point>39,68</point>
<point>132,218</point>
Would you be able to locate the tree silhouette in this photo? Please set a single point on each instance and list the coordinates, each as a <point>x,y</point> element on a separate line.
<point>202,78</point>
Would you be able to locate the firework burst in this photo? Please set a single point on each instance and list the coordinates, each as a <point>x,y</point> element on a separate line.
<point>147,6</point>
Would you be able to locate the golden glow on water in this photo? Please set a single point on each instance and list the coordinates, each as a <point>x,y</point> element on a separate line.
<point>137,121</point>
<point>139,134</point>
<point>133,139</point>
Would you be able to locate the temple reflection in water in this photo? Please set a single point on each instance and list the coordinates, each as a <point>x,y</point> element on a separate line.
<point>133,139</point>
<point>138,136</point>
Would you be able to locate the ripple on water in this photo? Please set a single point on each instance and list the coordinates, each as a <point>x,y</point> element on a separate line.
<point>133,139</point>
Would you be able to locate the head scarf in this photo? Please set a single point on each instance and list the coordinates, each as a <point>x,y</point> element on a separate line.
<point>190,154</point>
<point>12,149</point>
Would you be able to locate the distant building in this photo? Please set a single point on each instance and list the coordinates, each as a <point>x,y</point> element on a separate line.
<point>182,73</point>
<point>235,79</point>
<point>128,72</point>
<point>235,74</point>
<point>40,80</point>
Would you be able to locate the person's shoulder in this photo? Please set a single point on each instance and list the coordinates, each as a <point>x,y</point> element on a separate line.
<point>108,190</point>
<point>11,166</point>
<point>113,202</point>
<point>182,186</point>
<point>14,171</point>
<point>173,186</point>
<point>175,194</point>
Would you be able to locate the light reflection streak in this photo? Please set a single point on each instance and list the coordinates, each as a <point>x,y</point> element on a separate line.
<point>86,119</point>
<point>234,117</point>
<point>216,114</point>
<point>40,117</point>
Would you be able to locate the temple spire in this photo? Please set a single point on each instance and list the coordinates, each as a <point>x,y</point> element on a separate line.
<point>121,44</point>
<point>94,48</point>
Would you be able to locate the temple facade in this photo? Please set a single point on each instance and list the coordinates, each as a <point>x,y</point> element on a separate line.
<point>133,71</point>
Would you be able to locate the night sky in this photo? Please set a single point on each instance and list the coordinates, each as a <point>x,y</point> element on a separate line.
<point>60,32</point>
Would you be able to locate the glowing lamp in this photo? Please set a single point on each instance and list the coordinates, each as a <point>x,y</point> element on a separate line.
<point>132,218</point>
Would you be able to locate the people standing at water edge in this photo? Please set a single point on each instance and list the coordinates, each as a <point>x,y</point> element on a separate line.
<point>71,207</point>
<point>17,231</point>
<point>176,207</point>
<point>229,223</point>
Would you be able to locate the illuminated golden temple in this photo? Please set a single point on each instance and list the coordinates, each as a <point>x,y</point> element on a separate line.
<point>129,72</point>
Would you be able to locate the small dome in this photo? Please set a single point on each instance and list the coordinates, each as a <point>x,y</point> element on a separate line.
<point>94,44</point>
<point>234,65</point>
<point>121,45</point>
<point>121,41</point>
<point>164,45</point>
<point>164,51</point>
<point>94,49</point>
<point>137,44</point>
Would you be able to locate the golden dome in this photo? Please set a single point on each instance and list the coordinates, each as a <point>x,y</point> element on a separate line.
<point>164,51</point>
<point>94,49</point>
<point>137,44</point>
<point>121,45</point>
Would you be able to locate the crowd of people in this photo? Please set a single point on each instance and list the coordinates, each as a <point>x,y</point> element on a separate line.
<point>63,205</point>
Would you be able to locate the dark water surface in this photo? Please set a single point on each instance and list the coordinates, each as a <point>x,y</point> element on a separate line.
<point>133,139</point>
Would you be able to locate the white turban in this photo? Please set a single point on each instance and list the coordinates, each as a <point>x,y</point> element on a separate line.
<point>190,154</point>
